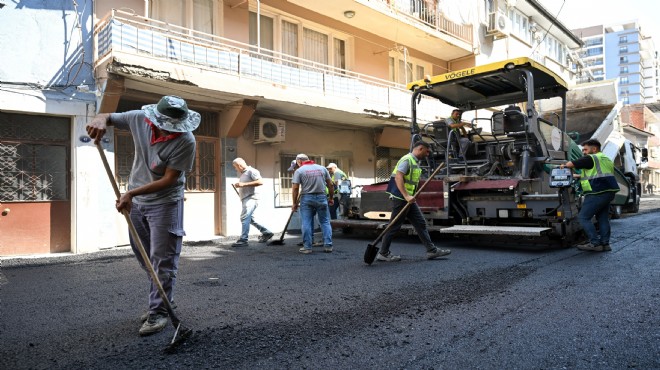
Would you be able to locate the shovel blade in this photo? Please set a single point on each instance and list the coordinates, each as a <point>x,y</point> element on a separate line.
<point>370,254</point>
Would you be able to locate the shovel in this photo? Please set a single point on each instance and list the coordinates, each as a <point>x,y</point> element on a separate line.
<point>372,249</point>
<point>181,333</point>
<point>286,226</point>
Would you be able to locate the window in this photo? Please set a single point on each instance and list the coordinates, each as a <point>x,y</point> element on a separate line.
<point>554,49</point>
<point>34,158</point>
<point>623,39</point>
<point>623,49</point>
<point>520,25</point>
<point>624,80</point>
<point>386,160</point>
<point>195,14</point>
<point>593,42</point>
<point>284,187</point>
<point>405,69</point>
<point>315,46</point>
<point>298,38</point>
<point>623,59</point>
<point>623,70</point>
<point>592,52</point>
<point>264,38</point>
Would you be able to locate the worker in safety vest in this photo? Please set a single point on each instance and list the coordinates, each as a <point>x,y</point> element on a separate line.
<point>599,187</point>
<point>342,193</point>
<point>402,187</point>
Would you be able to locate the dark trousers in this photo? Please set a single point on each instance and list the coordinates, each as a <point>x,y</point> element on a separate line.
<point>596,205</point>
<point>416,218</point>
<point>160,228</point>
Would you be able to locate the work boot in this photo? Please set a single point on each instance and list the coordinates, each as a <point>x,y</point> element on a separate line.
<point>437,253</point>
<point>590,247</point>
<point>240,243</point>
<point>265,237</point>
<point>389,257</point>
<point>155,323</point>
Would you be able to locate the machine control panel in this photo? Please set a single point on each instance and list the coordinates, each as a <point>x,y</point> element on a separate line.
<point>560,177</point>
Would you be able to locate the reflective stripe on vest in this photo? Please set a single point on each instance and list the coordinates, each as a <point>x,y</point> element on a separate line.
<point>600,178</point>
<point>411,179</point>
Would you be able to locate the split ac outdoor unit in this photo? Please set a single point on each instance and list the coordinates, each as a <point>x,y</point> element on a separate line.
<point>498,25</point>
<point>269,130</point>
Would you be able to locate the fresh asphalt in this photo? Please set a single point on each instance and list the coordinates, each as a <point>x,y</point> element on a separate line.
<point>269,307</point>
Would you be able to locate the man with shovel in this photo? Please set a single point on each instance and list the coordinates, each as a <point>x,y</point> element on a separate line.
<point>164,151</point>
<point>402,186</point>
<point>249,179</point>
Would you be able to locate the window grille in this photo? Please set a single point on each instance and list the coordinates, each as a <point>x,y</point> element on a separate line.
<point>34,158</point>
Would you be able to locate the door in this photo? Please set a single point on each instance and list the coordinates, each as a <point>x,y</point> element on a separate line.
<point>35,209</point>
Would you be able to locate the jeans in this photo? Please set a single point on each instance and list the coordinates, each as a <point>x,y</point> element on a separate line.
<point>596,205</point>
<point>416,218</point>
<point>247,218</point>
<point>310,205</point>
<point>160,228</point>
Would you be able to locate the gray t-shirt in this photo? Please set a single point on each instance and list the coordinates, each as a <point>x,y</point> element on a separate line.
<point>150,161</point>
<point>311,178</point>
<point>250,174</point>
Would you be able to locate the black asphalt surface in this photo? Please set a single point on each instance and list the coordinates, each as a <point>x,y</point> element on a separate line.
<point>269,307</point>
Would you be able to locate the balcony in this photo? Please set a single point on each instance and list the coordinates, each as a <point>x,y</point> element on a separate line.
<point>150,53</point>
<point>418,24</point>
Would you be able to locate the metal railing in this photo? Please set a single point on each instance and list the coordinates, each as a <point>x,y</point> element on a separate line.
<point>427,12</point>
<point>128,33</point>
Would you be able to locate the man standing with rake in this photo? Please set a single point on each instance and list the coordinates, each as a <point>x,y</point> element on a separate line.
<point>164,152</point>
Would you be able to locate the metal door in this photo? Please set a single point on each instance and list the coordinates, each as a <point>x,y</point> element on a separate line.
<point>35,207</point>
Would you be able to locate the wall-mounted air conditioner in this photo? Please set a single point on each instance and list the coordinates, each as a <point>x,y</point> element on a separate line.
<point>269,130</point>
<point>498,25</point>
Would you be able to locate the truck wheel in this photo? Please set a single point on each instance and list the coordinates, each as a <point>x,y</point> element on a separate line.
<point>615,212</point>
<point>635,207</point>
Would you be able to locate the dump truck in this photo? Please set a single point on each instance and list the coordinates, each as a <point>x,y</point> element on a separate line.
<point>594,112</point>
<point>505,189</point>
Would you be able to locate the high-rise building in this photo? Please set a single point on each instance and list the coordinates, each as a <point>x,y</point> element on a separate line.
<point>620,51</point>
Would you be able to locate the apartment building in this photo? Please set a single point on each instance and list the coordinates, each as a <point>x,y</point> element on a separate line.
<point>642,127</point>
<point>621,51</point>
<point>271,78</point>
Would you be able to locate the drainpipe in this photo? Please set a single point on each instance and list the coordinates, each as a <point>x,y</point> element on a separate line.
<point>259,26</point>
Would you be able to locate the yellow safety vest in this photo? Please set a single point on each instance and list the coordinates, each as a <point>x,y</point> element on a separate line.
<point>599,178</point>
<point>411,179</point>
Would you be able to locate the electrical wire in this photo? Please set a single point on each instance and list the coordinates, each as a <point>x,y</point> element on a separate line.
<point>548,30</point>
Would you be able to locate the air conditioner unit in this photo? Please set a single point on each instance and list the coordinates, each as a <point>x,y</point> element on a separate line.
<point>498,25</point>
<point>269,130</point>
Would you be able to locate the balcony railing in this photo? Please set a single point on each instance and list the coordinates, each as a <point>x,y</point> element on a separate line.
<point>427,12</point>
<point>128,33</point>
